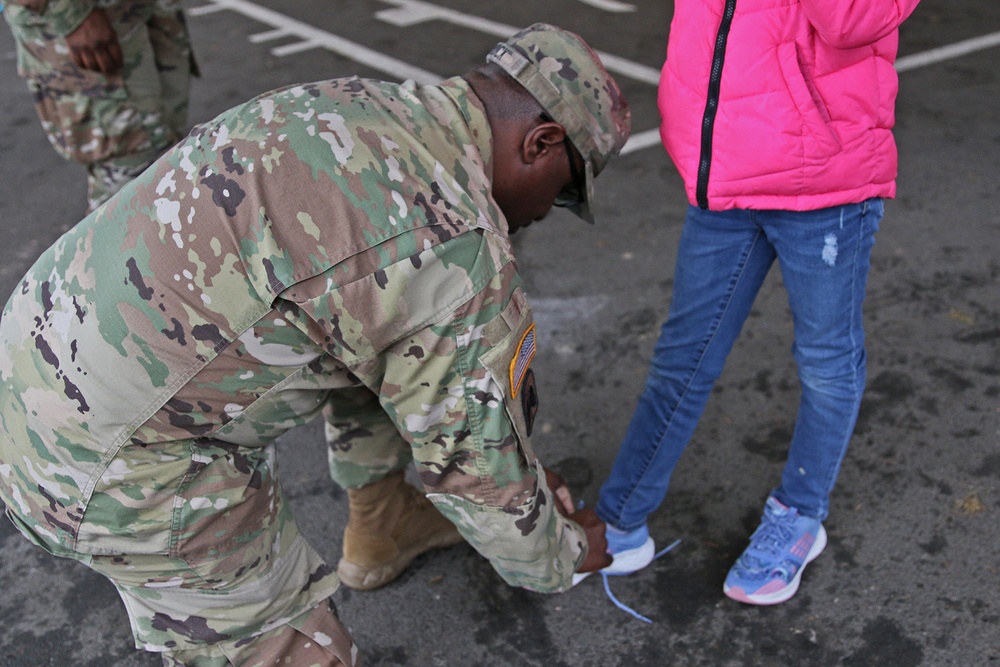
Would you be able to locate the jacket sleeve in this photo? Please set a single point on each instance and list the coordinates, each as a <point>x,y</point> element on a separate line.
<point>462,392</point>
<point>848,24</point>
<point>61,16</point>
<point>449,340</point>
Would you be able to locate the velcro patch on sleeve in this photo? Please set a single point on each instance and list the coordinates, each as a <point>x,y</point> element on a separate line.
<point>522,360</point>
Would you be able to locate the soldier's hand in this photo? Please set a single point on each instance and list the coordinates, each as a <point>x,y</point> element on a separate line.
<point>564,499</point>
<point>597,552</point>
<point>94,44</point>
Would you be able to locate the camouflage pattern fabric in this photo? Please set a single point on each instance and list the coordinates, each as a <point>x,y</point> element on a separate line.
<point>584,100</point>
<point>328,248</point>
<point>317,638</point>
<point>115,126</point>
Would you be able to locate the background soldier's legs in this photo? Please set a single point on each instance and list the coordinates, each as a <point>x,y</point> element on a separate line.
<point>175,63</point>
<point>157,75</point>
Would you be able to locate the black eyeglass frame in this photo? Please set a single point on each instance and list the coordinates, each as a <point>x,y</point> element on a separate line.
<point>569,196</point>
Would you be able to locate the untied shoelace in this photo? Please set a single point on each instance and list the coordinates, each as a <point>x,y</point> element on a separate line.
<point>621,605</point>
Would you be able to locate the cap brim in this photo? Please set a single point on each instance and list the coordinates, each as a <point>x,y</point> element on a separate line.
<point>583,209</point>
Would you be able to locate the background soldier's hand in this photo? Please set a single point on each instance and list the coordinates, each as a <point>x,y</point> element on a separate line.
<point>94,44</point>
<point>564,499</point>
<point>597,554</point>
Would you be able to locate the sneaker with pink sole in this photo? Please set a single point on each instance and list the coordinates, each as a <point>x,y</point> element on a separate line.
<point>770,569</point>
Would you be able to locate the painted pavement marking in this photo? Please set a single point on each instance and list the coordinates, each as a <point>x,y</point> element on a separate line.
<point>311,37</point>
<point>943,53</point>
<point>407,13</point>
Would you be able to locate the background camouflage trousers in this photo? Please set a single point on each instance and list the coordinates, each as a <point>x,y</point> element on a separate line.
<point>115,126</point>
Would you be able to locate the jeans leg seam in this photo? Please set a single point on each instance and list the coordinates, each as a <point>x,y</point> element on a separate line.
<point>712,332</point>
<point>857,354</point>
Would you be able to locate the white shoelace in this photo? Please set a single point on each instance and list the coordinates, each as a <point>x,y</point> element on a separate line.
<point>621,605</point>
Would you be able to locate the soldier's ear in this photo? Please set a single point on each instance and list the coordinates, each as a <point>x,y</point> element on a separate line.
<point>542,141</point>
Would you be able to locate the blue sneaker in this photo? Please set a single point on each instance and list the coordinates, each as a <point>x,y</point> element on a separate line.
<point>631,549</point>
<point>769,570</point>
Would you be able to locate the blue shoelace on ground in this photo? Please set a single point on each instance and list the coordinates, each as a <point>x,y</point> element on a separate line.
<point>621,605</point>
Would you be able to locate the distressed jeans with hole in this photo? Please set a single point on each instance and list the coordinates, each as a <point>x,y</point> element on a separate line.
<point>723,258</point>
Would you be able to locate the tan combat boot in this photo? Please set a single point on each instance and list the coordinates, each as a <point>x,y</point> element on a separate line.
<point>391,523</point>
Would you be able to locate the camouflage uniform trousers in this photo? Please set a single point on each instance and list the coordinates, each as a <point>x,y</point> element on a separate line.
<point>313,639</point>
<point>209,600</point>
<point>364,447</point>
<point>115,126</point>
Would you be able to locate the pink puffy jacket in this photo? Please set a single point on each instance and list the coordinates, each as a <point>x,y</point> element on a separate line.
<point>782,104</point>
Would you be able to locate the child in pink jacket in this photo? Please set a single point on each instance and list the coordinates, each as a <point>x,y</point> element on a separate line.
<point>778,117</point>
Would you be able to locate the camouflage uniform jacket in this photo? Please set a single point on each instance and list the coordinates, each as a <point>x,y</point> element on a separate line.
<point>30,19</point>
<point>63,16</point>
<point>342,229</point>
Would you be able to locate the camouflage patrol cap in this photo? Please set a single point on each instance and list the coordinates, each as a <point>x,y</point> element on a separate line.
<point>569,81</point>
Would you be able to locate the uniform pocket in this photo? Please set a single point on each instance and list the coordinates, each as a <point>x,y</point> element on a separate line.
<point>226,503</point>
<point>509,364</point>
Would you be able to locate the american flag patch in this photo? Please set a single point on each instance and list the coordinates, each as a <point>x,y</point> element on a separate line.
<point>519,364</point>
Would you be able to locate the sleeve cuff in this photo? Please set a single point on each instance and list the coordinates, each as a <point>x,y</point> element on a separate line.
<point>531,546</point>
<point>65,16</point>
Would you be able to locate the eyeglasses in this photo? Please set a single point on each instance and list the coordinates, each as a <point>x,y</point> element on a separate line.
<point>571,195</point>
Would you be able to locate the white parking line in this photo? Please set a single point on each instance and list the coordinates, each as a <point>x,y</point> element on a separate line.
<point>610,5</point>
<point>277,33</point>
<point>943,53</point>
<point>312,37</point>
<point>636,142</point>
<point>412,12</point>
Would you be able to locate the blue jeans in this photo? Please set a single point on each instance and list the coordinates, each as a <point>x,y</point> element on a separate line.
<point>723,258</point>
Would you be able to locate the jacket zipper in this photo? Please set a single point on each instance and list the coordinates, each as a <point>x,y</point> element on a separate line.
<point>712,104</point>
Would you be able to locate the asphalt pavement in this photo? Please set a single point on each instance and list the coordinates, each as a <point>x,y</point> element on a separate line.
<point>911,576</point>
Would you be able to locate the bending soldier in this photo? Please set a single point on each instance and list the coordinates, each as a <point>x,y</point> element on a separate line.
<point>338,248</point>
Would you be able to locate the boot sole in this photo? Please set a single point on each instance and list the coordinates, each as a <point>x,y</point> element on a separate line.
<point>363,578</point>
